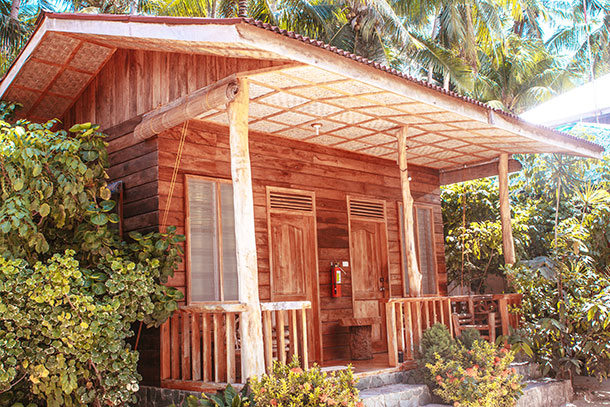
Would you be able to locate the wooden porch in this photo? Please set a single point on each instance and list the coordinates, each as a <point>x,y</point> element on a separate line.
<point>201,344</point>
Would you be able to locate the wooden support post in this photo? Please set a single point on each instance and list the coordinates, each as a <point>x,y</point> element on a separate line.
<point>508,244</point>
<point>413,273</point>
<point>252,350</point>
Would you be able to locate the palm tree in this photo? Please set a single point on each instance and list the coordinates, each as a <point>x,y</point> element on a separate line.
<point>17,21</point>
<point>517,72</point>
<point>583,31</point>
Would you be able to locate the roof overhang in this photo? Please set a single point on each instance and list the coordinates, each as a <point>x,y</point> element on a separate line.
<point>360,104</point>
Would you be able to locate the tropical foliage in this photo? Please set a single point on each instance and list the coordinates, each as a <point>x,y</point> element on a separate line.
<point>561,216</point>
<point>70,288</point>
<point>468,371</point>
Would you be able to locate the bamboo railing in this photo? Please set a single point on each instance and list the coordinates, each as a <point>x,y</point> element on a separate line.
<point>285,327</point>
<point>200,347</point>
<point>407,318</point>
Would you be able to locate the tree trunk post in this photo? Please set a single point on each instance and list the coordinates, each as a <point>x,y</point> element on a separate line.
<point>15,7</point>
<point>252,351</point>
<point>413,272</point>
<point>508,244</point>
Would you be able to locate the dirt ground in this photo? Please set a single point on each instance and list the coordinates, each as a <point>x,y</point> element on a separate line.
<point>590,392</point>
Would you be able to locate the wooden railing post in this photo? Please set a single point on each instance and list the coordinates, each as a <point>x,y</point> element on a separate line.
<point>390,315</point>
<point>504,317</point>
<point>165,350</point>
<point>252,351</point>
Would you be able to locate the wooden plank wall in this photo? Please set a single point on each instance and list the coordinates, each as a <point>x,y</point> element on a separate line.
<point>132,83</point>
<point>332,174</point>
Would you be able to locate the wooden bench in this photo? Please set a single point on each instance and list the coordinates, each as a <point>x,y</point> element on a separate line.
<point>360,336</point>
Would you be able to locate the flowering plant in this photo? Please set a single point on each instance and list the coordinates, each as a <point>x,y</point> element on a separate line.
<point>478,377</point>
<point>289,385</point>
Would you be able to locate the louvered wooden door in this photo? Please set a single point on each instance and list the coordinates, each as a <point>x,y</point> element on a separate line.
<point>293,254</point>
<point>369,257</point>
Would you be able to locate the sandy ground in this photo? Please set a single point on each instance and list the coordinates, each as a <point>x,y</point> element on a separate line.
<point>590,392</point>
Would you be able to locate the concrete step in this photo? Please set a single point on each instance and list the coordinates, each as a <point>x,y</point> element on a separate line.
<point>396,395</point>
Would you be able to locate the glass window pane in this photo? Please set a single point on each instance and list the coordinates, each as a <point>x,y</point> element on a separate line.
<point>205,282</point>
<point>425,239</point>
<point>229,254</point>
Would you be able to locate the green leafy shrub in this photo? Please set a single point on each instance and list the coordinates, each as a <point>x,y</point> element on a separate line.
<point>229,397</point>
<point>566,325</point>
<point>289,385</point>
<point>479,377</point>
<point>70,288</point>
<point>469,337</point>
<point>436,340</point>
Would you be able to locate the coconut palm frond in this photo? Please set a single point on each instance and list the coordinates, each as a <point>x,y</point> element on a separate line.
<point>443,60</point>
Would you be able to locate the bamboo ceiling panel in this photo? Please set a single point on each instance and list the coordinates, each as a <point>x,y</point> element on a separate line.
<point>55,74</point>
<point>309,104</point>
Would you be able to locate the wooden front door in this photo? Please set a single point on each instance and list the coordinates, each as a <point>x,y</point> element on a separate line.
<point>293,256</point>
<point>369,258</point>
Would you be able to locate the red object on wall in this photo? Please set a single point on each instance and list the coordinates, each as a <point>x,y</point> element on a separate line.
<point>335,272</point>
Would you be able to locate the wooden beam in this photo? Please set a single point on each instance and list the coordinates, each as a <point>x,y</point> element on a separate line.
<point>187,107</point>
<point>476,171</point>
<point>508,244</point>
<point>413,272</point>
<point>178,111</point>
<point>252,350</point>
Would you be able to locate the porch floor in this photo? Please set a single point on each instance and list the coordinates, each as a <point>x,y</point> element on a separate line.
<point>379,364</point>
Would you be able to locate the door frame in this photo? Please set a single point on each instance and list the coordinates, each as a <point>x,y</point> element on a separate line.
<point>315,301</point>
<point>386,247</point>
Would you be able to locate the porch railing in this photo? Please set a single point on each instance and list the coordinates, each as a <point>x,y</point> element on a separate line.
<point>200,347</point>
<point>285,327</point>
<point>407,318</point>
<point>200,343</point>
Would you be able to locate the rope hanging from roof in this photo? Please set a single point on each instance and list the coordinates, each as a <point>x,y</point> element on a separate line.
<point>172,184</point>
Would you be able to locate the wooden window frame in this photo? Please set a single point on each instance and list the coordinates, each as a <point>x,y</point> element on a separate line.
<point>187,232</point>
<point>401,231</point>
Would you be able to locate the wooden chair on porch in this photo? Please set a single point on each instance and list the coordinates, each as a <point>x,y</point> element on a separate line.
<point>483,321</point>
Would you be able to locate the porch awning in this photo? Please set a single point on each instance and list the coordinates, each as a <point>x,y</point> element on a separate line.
<point>313,92</point>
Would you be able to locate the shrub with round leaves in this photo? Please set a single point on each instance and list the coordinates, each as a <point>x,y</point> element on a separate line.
<point>70,288</point>
<point>477,377</point>
<point>288,385</point>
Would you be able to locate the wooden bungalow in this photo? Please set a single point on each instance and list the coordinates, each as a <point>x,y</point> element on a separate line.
<point>278,157</point>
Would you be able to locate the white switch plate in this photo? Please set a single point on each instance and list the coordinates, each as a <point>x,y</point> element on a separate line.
<point>345,264</point>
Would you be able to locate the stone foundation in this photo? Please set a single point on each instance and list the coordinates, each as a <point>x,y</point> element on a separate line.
<point>546,393</point>
<point>158,397</point>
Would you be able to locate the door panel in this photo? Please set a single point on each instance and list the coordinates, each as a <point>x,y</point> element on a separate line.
<point>294,268</point>
<point>368,251</point>
<point>291,238</point>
